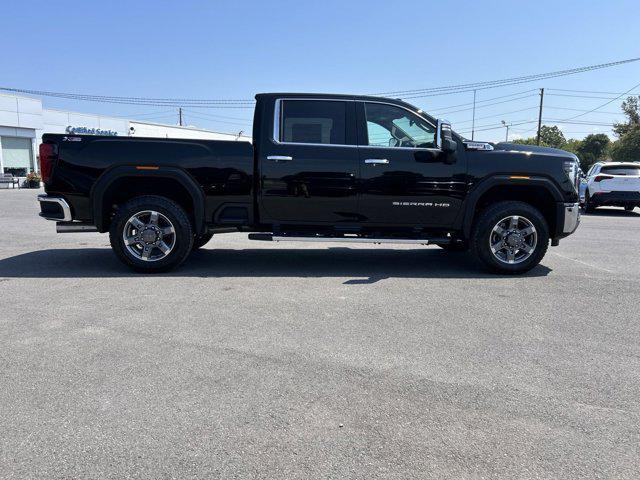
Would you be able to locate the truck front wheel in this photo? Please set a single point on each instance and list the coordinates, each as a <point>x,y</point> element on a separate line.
<point>510,237</point>
<point>151,234</point>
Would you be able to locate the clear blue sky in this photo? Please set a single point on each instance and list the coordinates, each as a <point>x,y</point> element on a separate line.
<point>236,49</point>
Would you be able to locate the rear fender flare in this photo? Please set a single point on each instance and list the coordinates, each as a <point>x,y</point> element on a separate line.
<point>105,181</point>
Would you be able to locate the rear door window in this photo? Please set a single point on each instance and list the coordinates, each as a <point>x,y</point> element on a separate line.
<point>313,121</point>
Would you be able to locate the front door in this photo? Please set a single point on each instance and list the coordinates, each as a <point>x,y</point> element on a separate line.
<point>405,179</point>
<point>308,171</point>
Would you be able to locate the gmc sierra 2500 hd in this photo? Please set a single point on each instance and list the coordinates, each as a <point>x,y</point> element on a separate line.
<point>321,168</point>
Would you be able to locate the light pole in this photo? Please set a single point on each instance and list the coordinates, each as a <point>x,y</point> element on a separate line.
<point>507,125</point>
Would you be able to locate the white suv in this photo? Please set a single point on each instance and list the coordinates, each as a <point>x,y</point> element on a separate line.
<point>613,183</point>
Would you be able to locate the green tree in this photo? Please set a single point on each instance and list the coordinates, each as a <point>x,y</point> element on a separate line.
<point>550,136</point>
<point>627,148</point>
<point>525,141</point>
<point>631,109</point>
<point>572,145</point>
<point>592,148</point>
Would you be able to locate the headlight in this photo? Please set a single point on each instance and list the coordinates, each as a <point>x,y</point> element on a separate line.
<point>571,169</point>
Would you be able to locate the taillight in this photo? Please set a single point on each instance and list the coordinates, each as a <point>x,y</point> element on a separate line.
<point>599,178</point>
<point>48,155</point>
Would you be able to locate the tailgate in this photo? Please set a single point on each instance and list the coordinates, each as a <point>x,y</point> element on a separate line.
<point>621,183</point>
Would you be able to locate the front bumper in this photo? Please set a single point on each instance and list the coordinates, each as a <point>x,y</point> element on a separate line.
<point>54,208</point>
<point>571,218</point>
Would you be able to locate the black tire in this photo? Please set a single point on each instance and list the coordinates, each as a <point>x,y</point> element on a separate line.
<point>182,239</point>
<point>589,207</point>
<point>629,208</point>
<point>457,247</point>
<point>489,218</point>
<point>200,241</point>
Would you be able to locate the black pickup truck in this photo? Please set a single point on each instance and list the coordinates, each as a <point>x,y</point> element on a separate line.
<point>321,168</point>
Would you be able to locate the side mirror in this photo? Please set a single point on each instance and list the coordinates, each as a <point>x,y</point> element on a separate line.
<point>445,141</point>
<point>444,137</point>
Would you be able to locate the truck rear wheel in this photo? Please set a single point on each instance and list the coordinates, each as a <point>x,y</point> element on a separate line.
<point>151,234</point>
<point>510,237</point>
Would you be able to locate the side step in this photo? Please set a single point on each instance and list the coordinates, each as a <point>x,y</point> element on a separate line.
<point>74,227</point>
<point>266,237</point>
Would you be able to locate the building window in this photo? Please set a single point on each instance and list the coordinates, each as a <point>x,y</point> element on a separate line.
<point>17,155</point>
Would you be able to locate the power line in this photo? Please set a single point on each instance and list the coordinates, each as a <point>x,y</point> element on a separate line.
<point>153,119</point>
<point>487,105</point>
<point>580,110</point>
<point>248,103</point>
<point>545,121</point>
<point>498,114</point>
<point>502,82</point>
<point>217,118</point>
<point>221,116</point>
<point>204,117</point>
<point>118,99</point>
<point>483,101</point>
<point>579,96</point>
<point>586,91</point>
<point>603,105</point>
<point>555,120</point>
<point>144,114</point>
<point>490,126</point>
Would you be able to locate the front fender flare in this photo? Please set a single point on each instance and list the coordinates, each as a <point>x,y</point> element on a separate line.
<point>507,180</point>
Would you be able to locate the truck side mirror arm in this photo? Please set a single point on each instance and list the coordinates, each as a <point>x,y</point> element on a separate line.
<point>445,141</point>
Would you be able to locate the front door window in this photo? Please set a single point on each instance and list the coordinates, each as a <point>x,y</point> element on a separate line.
<point>391,126</point>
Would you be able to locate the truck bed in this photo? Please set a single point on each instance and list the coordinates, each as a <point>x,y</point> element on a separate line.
<point>222,170</point>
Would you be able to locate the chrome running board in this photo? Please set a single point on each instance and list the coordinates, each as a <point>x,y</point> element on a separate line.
<point>286,238</point>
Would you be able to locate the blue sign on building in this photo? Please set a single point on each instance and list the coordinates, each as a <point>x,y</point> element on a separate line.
<point>90,131</point>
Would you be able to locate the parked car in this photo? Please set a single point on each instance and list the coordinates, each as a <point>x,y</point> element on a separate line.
<point>582,189</point>
<point>612,184</point>
<point>321,168</point>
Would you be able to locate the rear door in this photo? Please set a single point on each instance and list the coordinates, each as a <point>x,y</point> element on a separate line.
<point>404,177</point>
<point>308,169</point>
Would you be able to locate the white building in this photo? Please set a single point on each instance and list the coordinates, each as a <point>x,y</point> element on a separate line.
<point>23,120</point>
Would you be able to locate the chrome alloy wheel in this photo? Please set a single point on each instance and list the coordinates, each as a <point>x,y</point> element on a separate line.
<point>513,239</point>
<point>149,236</point>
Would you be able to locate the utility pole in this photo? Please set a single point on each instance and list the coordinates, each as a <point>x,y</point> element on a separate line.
<point>473,121</point>
<point>180,116</point>
<point>507,125</point>
<point>540,116</point>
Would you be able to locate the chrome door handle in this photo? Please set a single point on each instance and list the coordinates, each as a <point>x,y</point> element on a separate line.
<point>280,158</point>
<point>376,161</point>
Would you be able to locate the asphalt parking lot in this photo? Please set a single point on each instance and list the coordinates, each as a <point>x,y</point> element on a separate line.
<point>259,360</point>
